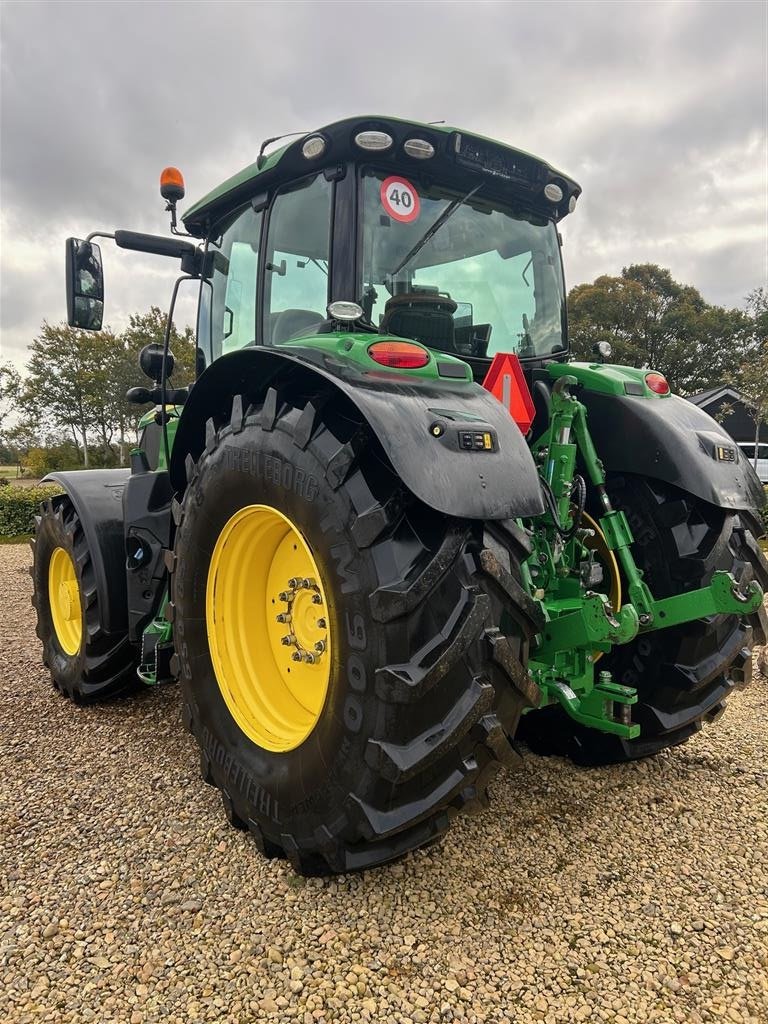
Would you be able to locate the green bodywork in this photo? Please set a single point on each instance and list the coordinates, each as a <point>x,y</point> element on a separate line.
<point>561,574</point>
<point>354,349</point>
<point>148,418</point>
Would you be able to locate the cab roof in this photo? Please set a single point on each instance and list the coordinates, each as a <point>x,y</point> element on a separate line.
<point>458,155</point>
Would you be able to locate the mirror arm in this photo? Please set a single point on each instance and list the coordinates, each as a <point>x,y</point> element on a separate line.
<point>157,245</point>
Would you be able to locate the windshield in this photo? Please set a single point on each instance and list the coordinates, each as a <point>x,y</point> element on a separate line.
<point>459,272</point>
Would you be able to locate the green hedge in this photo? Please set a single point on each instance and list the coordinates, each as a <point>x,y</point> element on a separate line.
<point>18,505</point>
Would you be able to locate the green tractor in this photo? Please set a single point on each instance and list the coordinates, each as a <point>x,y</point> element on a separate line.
<point>368,572</point>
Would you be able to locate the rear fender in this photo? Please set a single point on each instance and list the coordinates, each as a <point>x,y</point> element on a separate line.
<point>663,437</point>
<point>97,495</point>
<point>402,411</point>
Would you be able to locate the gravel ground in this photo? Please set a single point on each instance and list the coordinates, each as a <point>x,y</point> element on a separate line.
<point>622,894</point>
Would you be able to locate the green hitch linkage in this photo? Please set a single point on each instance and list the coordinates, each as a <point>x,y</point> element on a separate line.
<point>723,595</point>
<point>573,634</point>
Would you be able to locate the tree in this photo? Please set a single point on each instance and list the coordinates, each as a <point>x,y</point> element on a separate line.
<point>76,382</point>
<point>63,382</point>
<point>653,321</point>
<point>10,386</point>
<point>753,373</point>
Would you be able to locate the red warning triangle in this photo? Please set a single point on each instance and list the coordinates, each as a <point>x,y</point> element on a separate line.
<point>506,381</point>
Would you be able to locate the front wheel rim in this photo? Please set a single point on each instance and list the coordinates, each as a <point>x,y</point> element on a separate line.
<point>268,629</point>
<point>64,599</point>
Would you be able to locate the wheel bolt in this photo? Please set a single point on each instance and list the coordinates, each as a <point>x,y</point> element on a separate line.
<point>284,595</point>
<point>296,656</point>
<point>307,583</point>
<point>320,646</point>
<point>286,641</point>
<point>316,599</point>
<point>309,657</point>
<point>283,617</point>
<point>321,624</point>
<point>293,582</point>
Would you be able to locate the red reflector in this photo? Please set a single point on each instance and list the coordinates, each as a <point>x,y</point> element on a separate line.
<point>506,381</point>
<point>657,382</point>
<point>403,355</point>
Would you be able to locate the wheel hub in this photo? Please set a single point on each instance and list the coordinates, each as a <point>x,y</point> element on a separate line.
<point>69,599</point>
<point>307,636</point>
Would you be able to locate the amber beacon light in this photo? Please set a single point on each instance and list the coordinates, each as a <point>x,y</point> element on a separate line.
<point>172,184</point>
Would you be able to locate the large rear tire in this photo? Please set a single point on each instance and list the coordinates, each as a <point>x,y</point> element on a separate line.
<point>420,689</point>
<point>683,675</point>
<point>86,663</point>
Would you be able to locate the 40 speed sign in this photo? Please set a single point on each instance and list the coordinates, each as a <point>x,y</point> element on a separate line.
<point>400,199</point>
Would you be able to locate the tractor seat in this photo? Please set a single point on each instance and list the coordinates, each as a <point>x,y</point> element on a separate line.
<point>292,323</point>
<point>423,317</point>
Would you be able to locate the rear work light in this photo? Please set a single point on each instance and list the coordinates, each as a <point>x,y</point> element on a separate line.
<point>402,355</point>
<point>657,382</point>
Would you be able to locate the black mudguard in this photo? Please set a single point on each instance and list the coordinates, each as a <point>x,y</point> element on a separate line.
<point>671,439</point>
<point>401,411</point>
<point>97,495</point>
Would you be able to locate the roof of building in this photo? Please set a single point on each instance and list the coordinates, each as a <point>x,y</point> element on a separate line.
<point>705,398</point>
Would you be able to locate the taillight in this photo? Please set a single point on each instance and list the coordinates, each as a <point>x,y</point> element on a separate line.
<point>657,382</point>
<point>402,355</point>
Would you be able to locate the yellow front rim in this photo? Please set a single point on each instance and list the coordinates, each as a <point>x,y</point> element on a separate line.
<point>599,545</point>
<point>268,630</point>
<point>64,599</point>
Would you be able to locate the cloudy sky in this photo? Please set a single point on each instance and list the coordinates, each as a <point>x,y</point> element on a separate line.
<point>657,108</point>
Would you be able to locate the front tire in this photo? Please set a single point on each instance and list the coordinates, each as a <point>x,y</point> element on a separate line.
<point>86,663</point>
<point>683,675</point>
<point>421,688</point>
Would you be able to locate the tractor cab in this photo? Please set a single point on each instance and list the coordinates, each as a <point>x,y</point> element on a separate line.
<point>434,236</point>
<point>369,226</point>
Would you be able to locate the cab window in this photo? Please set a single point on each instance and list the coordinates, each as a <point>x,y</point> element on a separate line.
<point>463,273</point>
<point>232,299</point>
<point>296,265</point>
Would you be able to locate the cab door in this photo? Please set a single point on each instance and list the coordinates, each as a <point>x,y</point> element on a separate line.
<point>297,260</point>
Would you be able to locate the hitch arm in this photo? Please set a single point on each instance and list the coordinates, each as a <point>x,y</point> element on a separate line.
<point>724,595</point>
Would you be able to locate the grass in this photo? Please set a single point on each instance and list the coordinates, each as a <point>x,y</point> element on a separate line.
<point>19,538</point>
<point>9,472</point>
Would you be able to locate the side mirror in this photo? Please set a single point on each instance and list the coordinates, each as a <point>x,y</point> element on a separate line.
<point>85,285</point>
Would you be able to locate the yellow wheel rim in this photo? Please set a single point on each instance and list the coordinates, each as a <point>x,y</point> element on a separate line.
<point>268,631</point>
<point>599,545</point>
<point>64,599</point>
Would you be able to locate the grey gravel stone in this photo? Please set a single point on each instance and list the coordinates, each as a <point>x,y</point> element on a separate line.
<point>630,894</point>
